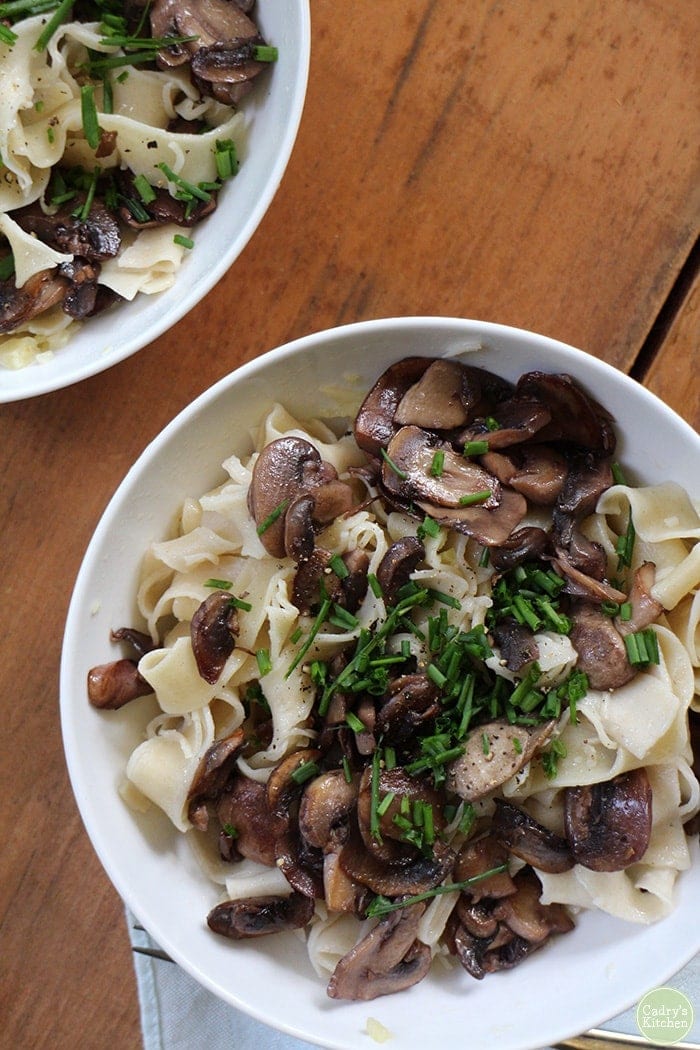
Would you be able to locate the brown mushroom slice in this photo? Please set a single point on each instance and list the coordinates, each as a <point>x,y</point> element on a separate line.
<point>43,290</point>
<point>475,858</point>
<point>95,238</point>
<point>602,655</point>
<point>412,700</point>
<point>207,21</point>
<point>227,62</point>
<point>164,208</point>
<point>243,806</point>
<point>374,423</point>
<point>588,479</point>
<point>114,684</point>
<point>213,630</point>
<point>526,544</point>
<point>286,468</point>
<point>340,892</point>
<point>476,917</point>
<point>141,642</point>
<point>259,916</point>
<point>608,825</point>
<point>300,863</point>
<point>388,959</point>
<point>397,566</point>
<point>576,416</point>
<point>325,806</point>
<point>518,420</point>
<point>516,644</point>
<point>526,916</point>
<point>354,586</point>
<point>409,472</point>
<point>523,836</point>
<point>490,527</point>
<point>645,608</point>
<point>537,471</point>
<point>440,399</point>
<point>282,787</point>
<point>212,775</point>
<point>389,845</point>
<point>493,753</point>
<point>394,880</point>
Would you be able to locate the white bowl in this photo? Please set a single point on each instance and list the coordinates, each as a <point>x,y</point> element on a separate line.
<point>273,111</point>
<point>573,984</point>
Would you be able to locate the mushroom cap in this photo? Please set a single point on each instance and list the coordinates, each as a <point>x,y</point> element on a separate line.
<point>523,836</point>
<point>608,825</point>
<point>259,916</point>
<point>477,772</point>
<point>213,630</point>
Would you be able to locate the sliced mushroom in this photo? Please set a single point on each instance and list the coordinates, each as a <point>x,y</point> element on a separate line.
<point>94,238</point>
<point>440,399</point>
<point>285,469</point>
<point>493,754</point>
<point>43,290</point>
<point>475,858</point>
<point>526,544</point>
<point>409,473</point>
<point>213,630</point>
<point>283,785</point>
<point>259,916</point>
<point>588,479</point>
<point>387,843</point>
<point>325,807</point>
<point>526,916</point>
<point>397,565</point>
<point>374,424</point>
<point>243,806</point>
<point>490,527</point>
<point>523,836</point>
<point>388,959</point>
<point>608,825</point>
<point>163,209</point>
<point>212,775</point>
<point>536,471</point>
<point>516,643</point>
<point>645,608</point>
<point>411,701</point>
<point>394,880</point>
<point>576,416</point>
<point>518,419</point>
<point>300,863</point>
<point>602,655</point>
<point>141,642</point>
<point>114,684</point>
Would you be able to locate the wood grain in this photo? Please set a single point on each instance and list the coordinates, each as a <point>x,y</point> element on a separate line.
<point>532,164</point>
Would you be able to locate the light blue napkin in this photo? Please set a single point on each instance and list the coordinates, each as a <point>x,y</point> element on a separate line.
<point>178,1014</point>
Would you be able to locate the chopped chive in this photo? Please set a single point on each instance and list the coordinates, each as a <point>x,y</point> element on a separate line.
<point>338,566</point>
<point>184,242</point>
<point>642,648</point>
<point>7,36</point>
<point>323,613</point>
<point>438,464</point>
<point>624,547</point>
<point>264,662</point>
<point>618,474</point>
<point>610,608</point>
<point>88,110</point>
<point>428,527</point>
<point>385,803</point>
<point>265,53</point>
<point>485,558</point>
<point>230,830</point>
<point>389,758</point>
<point>475,448</point>
<point>272,517</point>
<point>436,675</point>
<point>473,498</point>
<point>226,159</point>
<point>7,267</point>
<point>220,585</point>
<point>485,744</point>
<point>375,585</point>
<point>189,187</point>
<point>492,424</point>
<point>59,16</point>
<point>626,611</point>
<point>374,796</point>
<point>144,189</point>
<point>347,772</point>
<point>305,771</point>
<point>296,635</point>
<point>517,746</point>
<point>392,466</point>
<point>355,723</point>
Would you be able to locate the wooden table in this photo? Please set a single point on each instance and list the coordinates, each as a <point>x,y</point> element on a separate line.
<point>530,163</point>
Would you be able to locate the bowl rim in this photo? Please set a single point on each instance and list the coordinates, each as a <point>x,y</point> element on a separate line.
<point>194,292</point>
<point>595,367</point>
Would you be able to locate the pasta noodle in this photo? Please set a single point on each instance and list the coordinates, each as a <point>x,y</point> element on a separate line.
<point>641,725</point>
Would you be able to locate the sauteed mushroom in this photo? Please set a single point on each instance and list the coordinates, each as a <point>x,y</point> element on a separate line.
<point>260,916</point>
<point>608,825</point>
<point>388,959</point>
